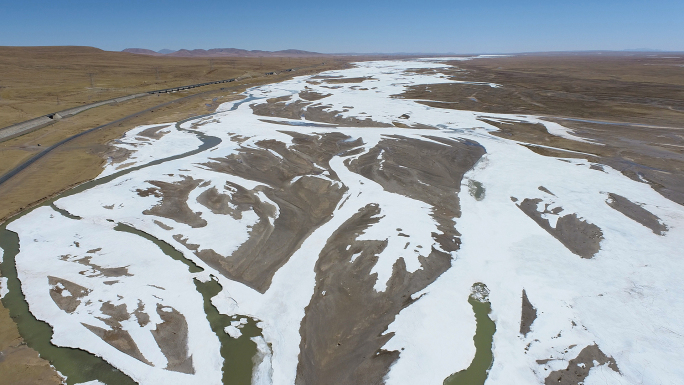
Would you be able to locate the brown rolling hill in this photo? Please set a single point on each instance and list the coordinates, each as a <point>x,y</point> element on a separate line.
<point>225,52</point>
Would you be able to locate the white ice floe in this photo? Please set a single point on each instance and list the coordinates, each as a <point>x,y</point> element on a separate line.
<point>3,287</point>
<point>233,331</point>
<point>627,299</point>
<point>3,280</point>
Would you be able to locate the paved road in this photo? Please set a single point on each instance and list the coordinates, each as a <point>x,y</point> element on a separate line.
<point>41,154</point>
<point>25,127</point>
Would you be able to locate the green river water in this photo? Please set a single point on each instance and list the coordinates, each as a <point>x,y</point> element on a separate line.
<point>476,373</point>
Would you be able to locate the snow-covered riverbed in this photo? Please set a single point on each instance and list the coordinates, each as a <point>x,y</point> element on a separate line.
<point>354,243</point>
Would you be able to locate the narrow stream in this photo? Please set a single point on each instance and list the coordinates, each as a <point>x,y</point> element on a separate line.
<point>64,212</point>
<point>477,372</point>
<point>82,366</point>
<point>163,246</point>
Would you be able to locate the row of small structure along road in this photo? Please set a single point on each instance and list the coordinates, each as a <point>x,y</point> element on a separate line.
<point>183,88</point>
<point>27,126</point>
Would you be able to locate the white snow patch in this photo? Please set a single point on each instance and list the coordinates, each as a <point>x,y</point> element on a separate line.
<point>3,287</point>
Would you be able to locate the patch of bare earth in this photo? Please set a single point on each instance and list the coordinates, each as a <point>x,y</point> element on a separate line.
<point>172,337</point>
<point>312,96</point>
<point>154,132</point>
<point>174,204</point>
<point>579,367</point>
<point>116,336</point>
<point>528,314</point>
<point>347,80</point>
<point>577,235</point>
<point>636,213</point>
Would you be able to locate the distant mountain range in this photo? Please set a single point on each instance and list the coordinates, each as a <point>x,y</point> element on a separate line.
<point>220,52</point>
<point>642,50</point>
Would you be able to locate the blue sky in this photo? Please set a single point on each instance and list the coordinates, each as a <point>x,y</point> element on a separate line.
<point>476,26</point>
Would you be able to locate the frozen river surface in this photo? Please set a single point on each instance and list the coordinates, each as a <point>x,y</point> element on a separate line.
<point>350,235</point>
